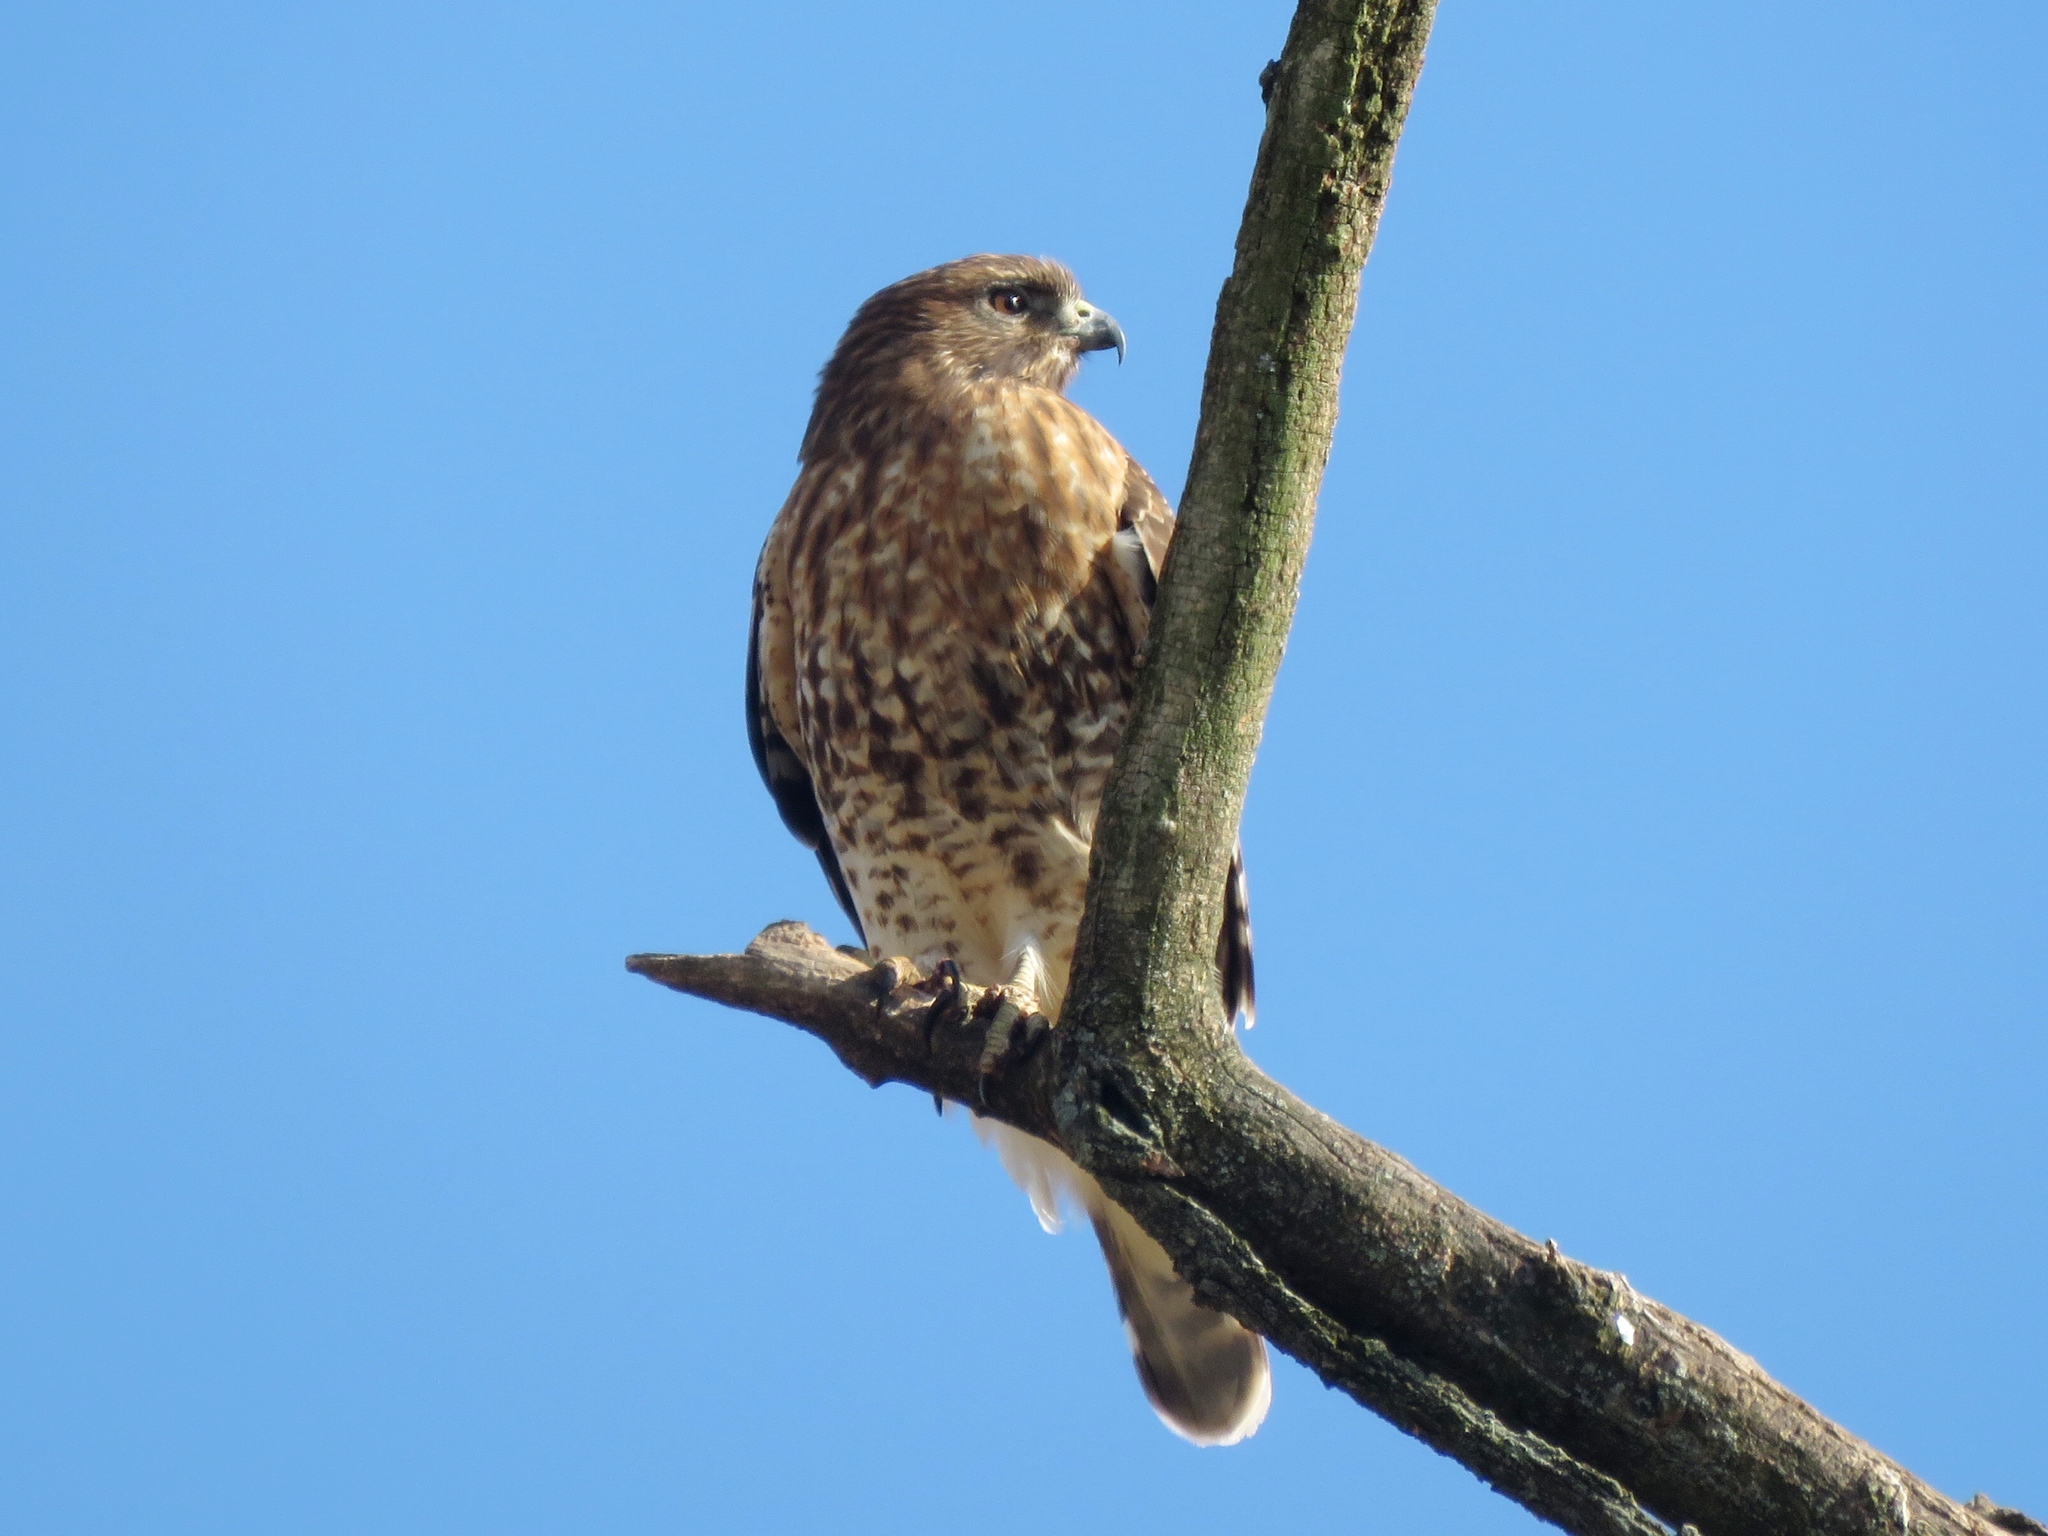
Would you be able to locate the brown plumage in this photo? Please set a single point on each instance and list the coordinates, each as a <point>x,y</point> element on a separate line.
<point>948,616</point>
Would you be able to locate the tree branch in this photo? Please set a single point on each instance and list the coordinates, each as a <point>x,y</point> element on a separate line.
<point>1633,1419</point>
<point>1595,1408</point>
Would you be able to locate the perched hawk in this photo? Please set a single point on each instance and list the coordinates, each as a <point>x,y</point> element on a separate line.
<point>948,617</point>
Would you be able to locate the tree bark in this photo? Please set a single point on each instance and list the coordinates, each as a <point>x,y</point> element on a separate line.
<point>1593,1407</point>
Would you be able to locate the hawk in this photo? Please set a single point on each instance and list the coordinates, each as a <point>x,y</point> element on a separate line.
<point>948,617</point>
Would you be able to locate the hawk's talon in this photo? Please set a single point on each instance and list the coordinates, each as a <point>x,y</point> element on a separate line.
<point>888,973</point>
<point>996,1046</point>
<point>1013,1034</point>
<point>947,1007</point>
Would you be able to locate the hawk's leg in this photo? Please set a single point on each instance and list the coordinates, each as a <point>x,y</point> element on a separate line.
<point>1017,1025</point>
<point>1027,976</point>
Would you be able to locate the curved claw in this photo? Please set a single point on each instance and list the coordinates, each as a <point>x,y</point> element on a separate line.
<point>947,1007</point>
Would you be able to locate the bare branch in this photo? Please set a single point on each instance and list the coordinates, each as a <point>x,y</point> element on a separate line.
<point>1630,1411</point>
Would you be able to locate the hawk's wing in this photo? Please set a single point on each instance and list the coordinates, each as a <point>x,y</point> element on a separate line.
<point>788,780</point>
<point>1145,528</point>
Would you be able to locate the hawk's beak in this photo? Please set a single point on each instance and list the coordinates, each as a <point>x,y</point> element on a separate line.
<point>1094,331</point>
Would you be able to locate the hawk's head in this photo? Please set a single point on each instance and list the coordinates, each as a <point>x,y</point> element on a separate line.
<point>978,319</point>
<point>997,317</point>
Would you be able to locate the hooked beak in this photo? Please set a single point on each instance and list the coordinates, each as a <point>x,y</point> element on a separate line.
<point>1094,331</point>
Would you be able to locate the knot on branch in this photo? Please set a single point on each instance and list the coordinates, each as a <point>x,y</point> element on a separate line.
<point>1269,79</point>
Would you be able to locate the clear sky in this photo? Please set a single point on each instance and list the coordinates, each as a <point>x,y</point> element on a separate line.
<point>1648,841</point>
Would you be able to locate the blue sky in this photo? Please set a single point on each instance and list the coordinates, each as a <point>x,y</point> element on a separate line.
<point>1648,840</point>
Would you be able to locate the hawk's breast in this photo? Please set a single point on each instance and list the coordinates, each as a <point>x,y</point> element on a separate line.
<point>961,651</point>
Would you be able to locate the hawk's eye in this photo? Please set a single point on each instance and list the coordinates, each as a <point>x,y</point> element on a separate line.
<point>1009,301</point>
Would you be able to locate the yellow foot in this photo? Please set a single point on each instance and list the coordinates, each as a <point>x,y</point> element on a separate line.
<point>1014,1028</point>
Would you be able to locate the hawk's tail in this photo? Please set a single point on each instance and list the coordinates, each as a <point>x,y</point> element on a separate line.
<point>1205,1372</point>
